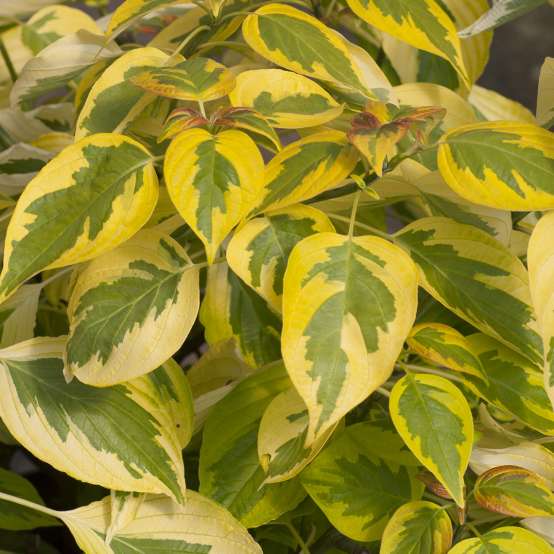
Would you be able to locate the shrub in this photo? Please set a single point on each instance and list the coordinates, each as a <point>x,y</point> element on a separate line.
<point>346,243</point>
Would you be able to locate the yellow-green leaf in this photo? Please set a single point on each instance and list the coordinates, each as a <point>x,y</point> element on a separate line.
<point>18,315</point>
<point>500,164</point>
<point>514,384</point>
<point>121,437</point>
<point>114,101</point>
<point>259,250</point>
<point>529,455</point>
<point>287,100</point>
<point>298,41</point>
<point>477,278</point>
<point>348,305</point>
<point>421,23</point>
<point>418,527</point>
<point>231,310</point>
<point>90,198</point>
<point>492,106</point>
<point>230,472</point>
<point>306,168</point>
<point>252,122</point>
<point>131,10</point>
<point>18,165</point>
<point>540,260</point>
<point>155,523</point>
<point>514,491</point>
<point>58,64</point>
<point>196,79</point>
<point>214,181</point>
<point>545,101</point>
<point>435,421</point>
<point>361,478</point>
<point>445,346</point>
<point>214,376</point>
<point>458,110</point>
<point>131,309</point>
<point>53,22</point>
<point>504,540</point>
<point>542,526</point>
<point>282,435</point>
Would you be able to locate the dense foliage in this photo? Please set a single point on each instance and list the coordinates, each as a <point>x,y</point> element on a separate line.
<point>277,277</point>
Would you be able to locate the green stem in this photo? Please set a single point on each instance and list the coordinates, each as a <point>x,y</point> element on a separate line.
<point>56,276</point>
<point>188,38</point>
<point>8,61</point>
<point>353,214</point>
<point>373,230</point>
<point>432,371</point>
<point>29,504</point>
<point>202,108</point>
<point>383,391</point>
<point>303,548</point>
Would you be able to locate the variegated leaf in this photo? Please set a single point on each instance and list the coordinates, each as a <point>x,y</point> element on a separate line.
<point>540,260</point>
<point>475,277</point>
<point>131,310</point>
<point>529,455</point>
<point>196,79</point>
<point>542,526</point>
<point>53,22</point>
<point>155,523</point>
<point>18,165</point>
<point>413,64</point>
<point>419,526</point>
<point>500,164</point>
<point>492,106</point>
<point>20,518</point>
<point>348,305</point>
<point>445,346</point>
<point>231,310</point>
<point>503,540</point>
<point>170,38</point>
<point>288,100</point>
<point>435,421</point>
<point>421,23</point>
<point>259,250</point>
<point>214,181</point>
<point>12,8</point>
<point>361,478</point>
<point>114,101</point>
<point>377,131</point>
<point>442,201</point>
<point>131,10</point>
<point>514,384</point>
<point>282,436</point>
<point>120,437</point>
<point>230,472</point>
<point>104,190</point>
<point>214,376</point>
<point>306,168</point>
<point>501,12</point>
<point>252,122</point>
<point>58,64</point>
<point>514,491</point>
<point>18,315</point>
<point>458,110</point>
<point>279,33</point>
<point>545,101</point>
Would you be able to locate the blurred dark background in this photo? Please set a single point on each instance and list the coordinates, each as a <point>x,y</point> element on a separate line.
<point>517,54</point>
